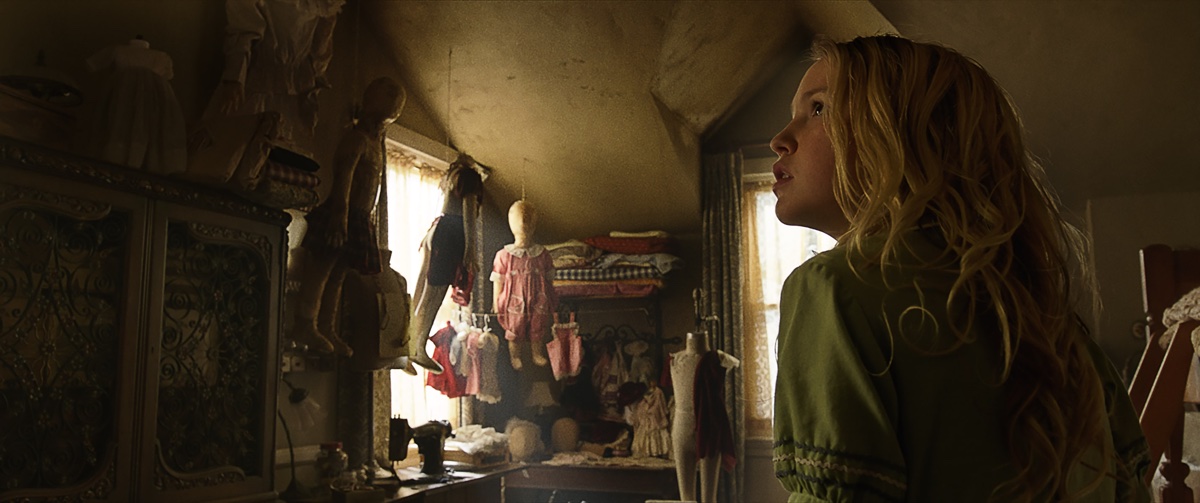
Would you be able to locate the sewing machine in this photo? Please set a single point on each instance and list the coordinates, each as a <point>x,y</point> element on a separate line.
<point>430,439</point>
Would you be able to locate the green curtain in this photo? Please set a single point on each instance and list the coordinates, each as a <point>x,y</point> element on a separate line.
<point>721,200</point>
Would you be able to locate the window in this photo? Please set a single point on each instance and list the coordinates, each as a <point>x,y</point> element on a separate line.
<point>771,251</point>
<point>414,200</point>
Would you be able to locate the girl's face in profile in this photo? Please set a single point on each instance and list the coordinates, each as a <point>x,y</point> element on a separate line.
<point>804,172</point>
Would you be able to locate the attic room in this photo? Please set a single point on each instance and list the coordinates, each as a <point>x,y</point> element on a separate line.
<point>171,331</point>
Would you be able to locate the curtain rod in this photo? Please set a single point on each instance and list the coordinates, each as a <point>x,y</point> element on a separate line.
<point>740,148</point>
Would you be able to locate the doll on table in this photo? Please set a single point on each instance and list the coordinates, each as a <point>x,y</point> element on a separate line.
<point>341,232</point>
<point>523,288</point>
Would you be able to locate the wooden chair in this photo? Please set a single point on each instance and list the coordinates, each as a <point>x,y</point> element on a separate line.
<point>1157,389</point>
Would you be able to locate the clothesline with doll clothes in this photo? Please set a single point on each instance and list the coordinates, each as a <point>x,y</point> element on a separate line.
<point>461,314</point>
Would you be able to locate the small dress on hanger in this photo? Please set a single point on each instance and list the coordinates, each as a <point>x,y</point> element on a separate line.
<point>607,377</point>
<point>489,353</point>
<point>475,365</point>
<point>459,359</point>
<point>566,349</point>
<point>448,382</point>
<point>641,367</point>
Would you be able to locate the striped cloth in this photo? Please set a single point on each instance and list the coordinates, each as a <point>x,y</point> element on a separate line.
<point>290,175</point>
<point>607,274</point>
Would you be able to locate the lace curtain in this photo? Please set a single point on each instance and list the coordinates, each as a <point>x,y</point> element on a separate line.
<point>416,200</point>
<point>770,251</point>
<point>758,356</point>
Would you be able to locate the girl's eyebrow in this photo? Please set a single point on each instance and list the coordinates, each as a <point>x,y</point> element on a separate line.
<point>808,94</point>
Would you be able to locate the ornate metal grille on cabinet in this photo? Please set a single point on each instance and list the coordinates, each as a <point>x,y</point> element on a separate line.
<point>139,321</point>
<point>61,283</point>
<point>211,366</point>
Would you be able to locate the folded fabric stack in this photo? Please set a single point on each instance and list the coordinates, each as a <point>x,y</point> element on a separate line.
<point>619,264</point>
<point>291,176</point>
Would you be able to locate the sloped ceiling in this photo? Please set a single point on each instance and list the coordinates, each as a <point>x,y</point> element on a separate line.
<point>596,111</point>
<point>592,110</point>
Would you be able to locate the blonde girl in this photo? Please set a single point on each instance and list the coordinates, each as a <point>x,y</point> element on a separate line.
<point>935,354</point>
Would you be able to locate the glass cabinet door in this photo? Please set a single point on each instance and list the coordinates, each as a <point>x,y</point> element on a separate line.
<point>66,323</point>
<point>212,425</point>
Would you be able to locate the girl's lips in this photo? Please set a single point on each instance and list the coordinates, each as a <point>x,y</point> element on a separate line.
<point>780,175</point>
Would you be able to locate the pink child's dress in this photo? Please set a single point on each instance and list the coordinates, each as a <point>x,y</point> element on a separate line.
<point>527,298</point>
<point>566,350</point>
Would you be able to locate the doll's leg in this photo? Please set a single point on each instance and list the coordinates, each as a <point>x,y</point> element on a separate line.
<point>427,300</point>
<point>313,277</point>
<point>328,319</point>
<point>540,330</point>
<point>514,354</point>
<point>537,348</point>
<point>422,322</point>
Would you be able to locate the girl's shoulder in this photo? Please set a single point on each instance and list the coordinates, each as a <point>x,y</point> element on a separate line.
<point>868,267</point>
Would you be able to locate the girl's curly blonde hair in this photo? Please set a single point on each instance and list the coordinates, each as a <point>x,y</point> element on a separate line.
<point>924,137</point>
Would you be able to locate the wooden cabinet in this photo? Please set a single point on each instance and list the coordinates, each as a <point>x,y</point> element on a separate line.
<point>139,335</point>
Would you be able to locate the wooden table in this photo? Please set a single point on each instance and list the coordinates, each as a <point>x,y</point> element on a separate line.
<point>537,482</point>
<point>464,487</point>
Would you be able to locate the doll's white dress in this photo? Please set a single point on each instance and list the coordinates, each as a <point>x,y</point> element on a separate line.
<point>136,119</point>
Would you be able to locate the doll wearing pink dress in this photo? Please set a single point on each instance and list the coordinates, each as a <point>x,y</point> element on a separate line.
<point>523,288</point>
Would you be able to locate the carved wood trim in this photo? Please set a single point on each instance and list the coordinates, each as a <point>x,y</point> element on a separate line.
<point>46,161</point>
<point>73,207</point>
<point>167,479</point>
<point>211,233</point>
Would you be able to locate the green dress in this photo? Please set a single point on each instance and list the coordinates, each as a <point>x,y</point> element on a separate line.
<point>864,411</point>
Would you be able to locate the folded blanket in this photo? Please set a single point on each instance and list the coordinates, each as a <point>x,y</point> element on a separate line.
<point>631,246</point>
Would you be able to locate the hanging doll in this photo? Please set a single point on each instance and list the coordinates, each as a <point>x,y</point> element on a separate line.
<point>444,253</point>
<point>341,233</point>
<point>523,291</point>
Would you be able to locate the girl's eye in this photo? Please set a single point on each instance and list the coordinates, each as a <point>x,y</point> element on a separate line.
<point>817,108</point>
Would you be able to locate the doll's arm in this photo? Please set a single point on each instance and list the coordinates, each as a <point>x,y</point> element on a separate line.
<point>346,159</point>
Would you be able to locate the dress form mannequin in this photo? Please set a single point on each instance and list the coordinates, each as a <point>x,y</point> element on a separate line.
<point>341,232</point>
<point>443,253</point>
<point>137,121</point>
<point>683,429</point>
<point>523,288</point>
